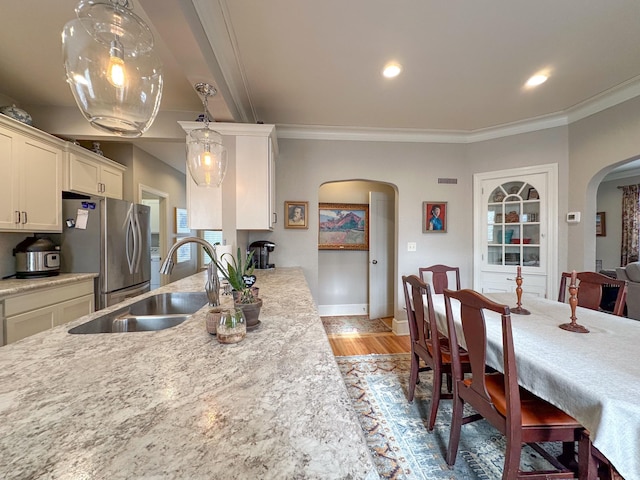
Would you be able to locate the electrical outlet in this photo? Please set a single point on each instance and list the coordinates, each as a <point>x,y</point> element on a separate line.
<point>412,247</point>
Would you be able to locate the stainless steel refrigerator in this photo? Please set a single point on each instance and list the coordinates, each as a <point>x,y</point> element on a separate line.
<point>110,237</point>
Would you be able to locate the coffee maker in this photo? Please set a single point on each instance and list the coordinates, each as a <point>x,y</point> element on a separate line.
<point>261,250</point>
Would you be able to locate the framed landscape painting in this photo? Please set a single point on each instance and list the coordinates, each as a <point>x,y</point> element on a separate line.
<point>343,226</point>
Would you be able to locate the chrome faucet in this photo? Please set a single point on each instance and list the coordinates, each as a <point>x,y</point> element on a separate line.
<point>212,287</point>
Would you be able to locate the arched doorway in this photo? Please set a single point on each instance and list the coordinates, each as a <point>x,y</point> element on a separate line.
<point>347,278</point>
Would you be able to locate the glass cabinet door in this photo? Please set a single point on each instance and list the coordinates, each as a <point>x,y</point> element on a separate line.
<point>513,225</point>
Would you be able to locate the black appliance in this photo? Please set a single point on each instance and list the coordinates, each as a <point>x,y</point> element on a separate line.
<point>261,250</point>
<point>37,257</point>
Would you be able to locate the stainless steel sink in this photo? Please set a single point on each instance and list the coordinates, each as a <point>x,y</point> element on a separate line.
<point>157,312</point>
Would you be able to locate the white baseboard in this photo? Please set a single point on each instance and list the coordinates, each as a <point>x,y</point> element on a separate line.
<point>343,310</point>
<point>400,327</point>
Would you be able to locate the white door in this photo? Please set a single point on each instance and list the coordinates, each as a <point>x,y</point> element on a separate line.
<point>381,243</point>
<point>515,220</point>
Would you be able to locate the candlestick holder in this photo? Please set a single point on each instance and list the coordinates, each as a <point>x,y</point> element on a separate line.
<point>518,309</point>
<point>573,303</point>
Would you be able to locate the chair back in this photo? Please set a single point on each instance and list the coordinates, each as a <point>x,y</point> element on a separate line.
<point>472,307</point>
<point>439,276</point>
<point>590,288</point>
<point>423,328</point>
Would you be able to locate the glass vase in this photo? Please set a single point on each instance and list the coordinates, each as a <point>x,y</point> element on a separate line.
<point>232,326</point>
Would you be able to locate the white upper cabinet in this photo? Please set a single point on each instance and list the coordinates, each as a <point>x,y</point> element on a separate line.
<point>31,181</point>
<point>93,174</point>
<point>252,148</point>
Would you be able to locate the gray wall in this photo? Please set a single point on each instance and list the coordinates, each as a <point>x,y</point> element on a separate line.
<point>413,170</point>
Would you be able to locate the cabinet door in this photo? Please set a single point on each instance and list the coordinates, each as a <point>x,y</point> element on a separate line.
<point>83,174</point>
<point>515,227</point>
<point>8,182</point>
<point>29,323</point>
<point>111,180</point>
<point>41,186</point>
<point>253,183</point>
<point>74,309</point>
<point>204,206</point>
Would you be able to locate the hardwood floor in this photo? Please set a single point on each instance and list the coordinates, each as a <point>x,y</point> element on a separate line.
<point>368,343</point>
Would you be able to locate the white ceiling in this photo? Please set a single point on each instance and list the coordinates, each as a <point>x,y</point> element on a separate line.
<point>305,64</point>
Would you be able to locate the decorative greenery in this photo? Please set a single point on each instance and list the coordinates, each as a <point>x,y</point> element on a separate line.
<point>239,274</point>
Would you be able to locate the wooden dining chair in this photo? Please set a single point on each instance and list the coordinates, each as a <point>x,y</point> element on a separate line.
<point>439,276</point>
<point>596,465</point>
<point>518,414</point>
<point>590,287</point>
<point>427,344</point>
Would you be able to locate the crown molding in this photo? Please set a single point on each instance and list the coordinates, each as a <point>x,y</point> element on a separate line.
<point>610,98</point>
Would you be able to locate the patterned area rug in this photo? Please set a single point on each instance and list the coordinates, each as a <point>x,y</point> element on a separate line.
<point>353,324</point>
<point>396,430</point>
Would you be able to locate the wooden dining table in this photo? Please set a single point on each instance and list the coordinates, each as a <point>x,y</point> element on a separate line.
<point>595,376</point>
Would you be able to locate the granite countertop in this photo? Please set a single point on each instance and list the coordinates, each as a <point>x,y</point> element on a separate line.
<point>19,286</point>
<point>178,404</point>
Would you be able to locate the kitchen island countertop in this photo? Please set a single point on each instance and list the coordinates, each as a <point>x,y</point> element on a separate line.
<point>177,404</point>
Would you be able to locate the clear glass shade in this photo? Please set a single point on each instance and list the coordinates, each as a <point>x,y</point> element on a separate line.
<point>114,75</point>
<point>206,157</point>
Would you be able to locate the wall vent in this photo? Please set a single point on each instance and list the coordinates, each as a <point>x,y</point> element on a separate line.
<point>452,181</point>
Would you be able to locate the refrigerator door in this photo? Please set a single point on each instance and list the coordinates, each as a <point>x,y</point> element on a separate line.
<point>111,298</point>
<point>118,248</point>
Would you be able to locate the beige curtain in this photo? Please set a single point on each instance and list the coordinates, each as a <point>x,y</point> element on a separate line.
<point>630,224</point>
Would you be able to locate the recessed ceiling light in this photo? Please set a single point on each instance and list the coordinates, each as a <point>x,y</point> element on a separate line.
<point>537,79</point>
<point>392,70</point>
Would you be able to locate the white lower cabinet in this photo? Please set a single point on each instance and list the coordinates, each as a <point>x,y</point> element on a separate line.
<point>40,310</point>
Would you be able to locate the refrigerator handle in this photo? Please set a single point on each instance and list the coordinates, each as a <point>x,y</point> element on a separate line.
<point>137,242</point>
<point>130,232</point>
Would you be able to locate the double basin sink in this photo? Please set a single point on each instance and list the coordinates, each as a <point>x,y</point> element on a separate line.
<point>157,312</point>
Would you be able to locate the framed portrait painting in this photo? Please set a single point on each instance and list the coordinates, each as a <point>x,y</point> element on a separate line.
<point>343,226</point>
<point>434,217</point>
<point>295,214</point>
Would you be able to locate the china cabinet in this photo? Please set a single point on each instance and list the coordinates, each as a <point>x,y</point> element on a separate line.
<point>31,180</point>
<point>515,212</point>
<point>90,173</point>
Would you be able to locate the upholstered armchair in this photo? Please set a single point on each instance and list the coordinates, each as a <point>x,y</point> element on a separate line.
<point>631,273</point>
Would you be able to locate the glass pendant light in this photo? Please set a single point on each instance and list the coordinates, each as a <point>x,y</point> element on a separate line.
<point>206,156</point>
<point>113,72</point>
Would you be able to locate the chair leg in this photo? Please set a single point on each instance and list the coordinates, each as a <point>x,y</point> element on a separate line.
<point>512,459</point>
<point>454,433</point>
<point>435,398</point>
<point>588,465</point>
<point>413,376</point>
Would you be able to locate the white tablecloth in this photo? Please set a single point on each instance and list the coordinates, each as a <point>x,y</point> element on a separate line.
<point>595,377</point>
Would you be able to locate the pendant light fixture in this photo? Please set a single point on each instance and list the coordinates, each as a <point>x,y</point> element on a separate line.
<point>113,72</point>
<point>206,156</point>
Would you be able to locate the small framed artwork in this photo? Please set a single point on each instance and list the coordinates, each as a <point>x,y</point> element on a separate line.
<point>182,225</point>
<point>343,226</point>
<point>532,194</point>
<point>601,224</point>
<point>295,214</point>
<point>434,217</point>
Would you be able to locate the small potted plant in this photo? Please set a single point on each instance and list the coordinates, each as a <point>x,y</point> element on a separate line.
<point>238,271</point>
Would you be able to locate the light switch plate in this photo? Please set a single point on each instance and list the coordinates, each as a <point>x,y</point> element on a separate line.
<point>412,247</point>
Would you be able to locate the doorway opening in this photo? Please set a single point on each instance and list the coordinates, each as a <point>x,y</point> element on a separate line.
<point>361,282</point>
<point>156,200</point>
